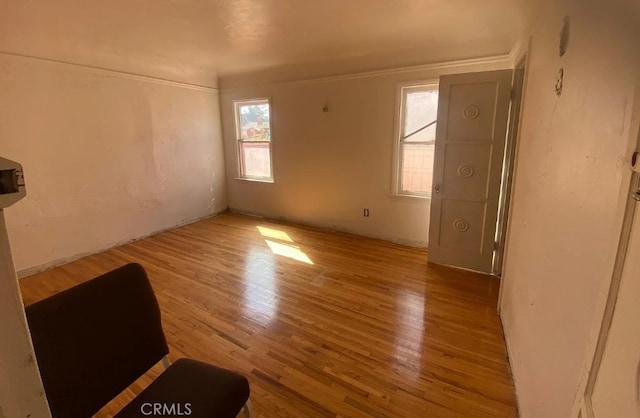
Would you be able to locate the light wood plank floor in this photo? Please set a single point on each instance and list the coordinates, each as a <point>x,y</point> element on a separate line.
<point>323,324</point>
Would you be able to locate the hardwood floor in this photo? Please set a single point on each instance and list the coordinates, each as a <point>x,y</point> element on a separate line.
<point>323,324</point>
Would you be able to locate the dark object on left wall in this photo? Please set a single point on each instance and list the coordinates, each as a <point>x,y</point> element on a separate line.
<point>565,33</point>
<point>95,339</point>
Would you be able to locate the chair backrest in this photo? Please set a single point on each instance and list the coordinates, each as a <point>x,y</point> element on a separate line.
<point>95,339</point>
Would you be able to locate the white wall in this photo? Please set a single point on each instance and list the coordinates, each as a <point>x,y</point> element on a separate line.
<point>330,166</point>
<point>107,157</point>
<point>565,219</point>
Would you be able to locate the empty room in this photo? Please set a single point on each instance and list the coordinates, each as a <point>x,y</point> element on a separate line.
<point>338,208</point>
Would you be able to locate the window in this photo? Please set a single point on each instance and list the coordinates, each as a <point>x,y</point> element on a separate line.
<point>253,132</point>
<point>416,139</point>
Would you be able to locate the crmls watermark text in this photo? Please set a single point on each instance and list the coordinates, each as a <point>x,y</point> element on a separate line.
<point>165,409</point>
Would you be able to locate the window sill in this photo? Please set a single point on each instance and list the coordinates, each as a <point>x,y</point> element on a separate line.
<point>414,197</point>
<point>255,180</point>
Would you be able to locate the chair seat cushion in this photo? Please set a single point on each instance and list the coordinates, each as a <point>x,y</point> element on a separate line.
<point>191,388</point>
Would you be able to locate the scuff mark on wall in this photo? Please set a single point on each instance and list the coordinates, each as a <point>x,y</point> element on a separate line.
<point>625,105</point>
<point>565,33</point>
<point>212,202</point>
<point>559,82</point>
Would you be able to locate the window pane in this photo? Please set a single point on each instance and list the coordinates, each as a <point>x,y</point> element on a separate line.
<point>421,108</point>
<point>417,168</point>
<point>254,122</point>
<point>256,160</point>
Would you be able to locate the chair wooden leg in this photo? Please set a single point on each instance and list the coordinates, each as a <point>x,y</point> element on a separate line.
<point>165,362</point>
<point>248,412</point>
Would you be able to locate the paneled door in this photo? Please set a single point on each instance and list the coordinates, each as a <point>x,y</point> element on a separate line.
<point>473,112</point>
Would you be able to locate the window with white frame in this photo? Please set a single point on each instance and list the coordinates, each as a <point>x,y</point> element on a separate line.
<point>416,139</point>
<point>253,133</point>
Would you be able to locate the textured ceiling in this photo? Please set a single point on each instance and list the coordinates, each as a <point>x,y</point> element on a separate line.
<point>197,40</point>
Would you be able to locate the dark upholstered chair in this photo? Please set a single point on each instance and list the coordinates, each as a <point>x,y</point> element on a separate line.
<point>94,340</point>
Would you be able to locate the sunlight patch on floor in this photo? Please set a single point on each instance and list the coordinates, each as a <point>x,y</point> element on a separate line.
<point>274,233</point>
<point>284,249</point>
<point>290,251</point>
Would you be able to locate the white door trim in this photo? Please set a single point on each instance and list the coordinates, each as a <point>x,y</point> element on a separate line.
<point>21,389</point>
<point>525,54</point>
<point>607,301</point>
<point>508,166</point>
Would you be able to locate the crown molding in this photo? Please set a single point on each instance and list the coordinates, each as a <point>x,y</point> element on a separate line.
<point>496,59</point>
<point>111,72</point>
<point>517,52</point>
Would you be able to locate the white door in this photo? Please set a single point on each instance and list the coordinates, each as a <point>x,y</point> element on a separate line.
<point>473,111</point>
<point>616,392</point>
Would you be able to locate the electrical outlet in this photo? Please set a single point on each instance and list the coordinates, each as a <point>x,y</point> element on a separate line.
<point>366,212</point>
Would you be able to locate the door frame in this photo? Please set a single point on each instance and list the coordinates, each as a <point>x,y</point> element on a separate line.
<point>626,207</point>
<point>508,166</point>
<point>519,58</point>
